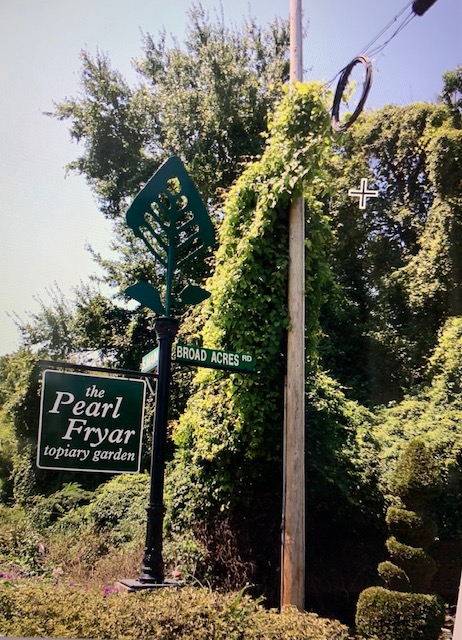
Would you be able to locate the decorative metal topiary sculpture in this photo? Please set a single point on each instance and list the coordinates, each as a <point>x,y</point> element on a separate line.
<point>170,218</point>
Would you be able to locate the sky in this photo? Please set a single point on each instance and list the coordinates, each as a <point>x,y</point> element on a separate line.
<point>49,217</point>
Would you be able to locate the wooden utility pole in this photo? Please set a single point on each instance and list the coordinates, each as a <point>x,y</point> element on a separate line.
<point>293,523</point>
<point>458,621</point>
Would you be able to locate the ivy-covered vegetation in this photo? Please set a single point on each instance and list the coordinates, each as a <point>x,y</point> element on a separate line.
<point>383,322</point>
<point>232,424</point>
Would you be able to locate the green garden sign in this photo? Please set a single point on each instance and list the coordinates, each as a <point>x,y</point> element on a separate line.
<point>90,423</point>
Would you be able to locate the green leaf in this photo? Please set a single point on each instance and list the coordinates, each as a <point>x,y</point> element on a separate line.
<point>193,294</point>
<point>170,218</point>
<point>146,295</point>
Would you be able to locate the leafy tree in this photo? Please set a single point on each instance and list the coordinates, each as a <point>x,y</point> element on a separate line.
<point>206,102</point>
<point>119,337</point>
<point>8,447</point>
<point>18,423</point>
<point>452,94</point>
<point>50,330</point>
<point>396,264</point>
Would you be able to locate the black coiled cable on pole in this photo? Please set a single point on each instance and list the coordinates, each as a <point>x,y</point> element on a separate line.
<point>419,7</point>
<point>342,83</point>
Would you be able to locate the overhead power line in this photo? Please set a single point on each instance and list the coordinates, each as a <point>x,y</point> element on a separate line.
<point>366,50</point>
<point>413,9</point>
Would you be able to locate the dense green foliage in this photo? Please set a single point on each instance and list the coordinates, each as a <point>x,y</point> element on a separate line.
<point>226,427</point>
<point>206,101</point>
<point>416,482</point>
<point>168,614</point>
<point>432,413</point>
<point>414,529</point>
<point>452,94</point>
<point>19,542</point>
<point>397,265</point>
<point>416,479</point>
<point>18,424</point>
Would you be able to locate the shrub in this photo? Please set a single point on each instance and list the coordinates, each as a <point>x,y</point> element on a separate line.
<point>417,476</point>
<point>416,530</point>
<point>21,546</point>
<point>394,577</point>
<point>47,509</point>
<point>119,508</point>
<point>167,614</point>
<point>8,449</point>
<point>415,562</point>
<point>392,615</point>
<point>186,555</point>
<point>104,539</point>
<point>123,498</point>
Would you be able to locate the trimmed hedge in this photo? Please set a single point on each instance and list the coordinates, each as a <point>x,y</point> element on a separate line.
<point>167,614</point>
<point>414,529</point>
<point>404,610</point>
<point>421,616</point>
<point>417,564</point>
<point>417,477</point>
<point>394,577</point>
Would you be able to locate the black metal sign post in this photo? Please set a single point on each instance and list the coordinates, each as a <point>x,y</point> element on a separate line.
<point>152,567</point>
<point>169,217</point>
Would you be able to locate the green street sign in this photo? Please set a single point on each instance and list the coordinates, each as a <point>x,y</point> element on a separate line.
<point>150,361</point>
<point>213,358</point>
<point>90,423</point>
